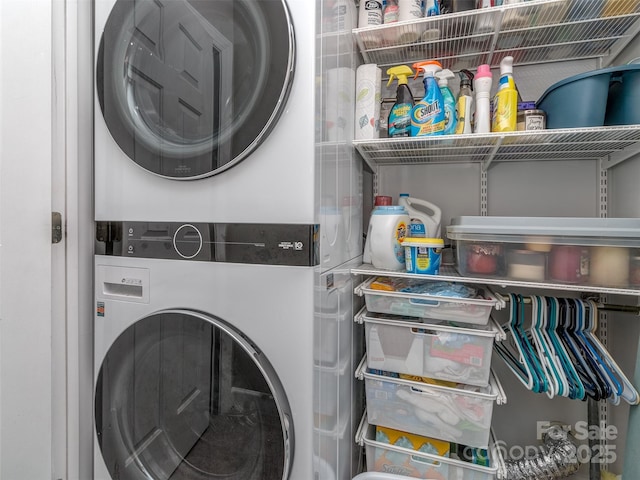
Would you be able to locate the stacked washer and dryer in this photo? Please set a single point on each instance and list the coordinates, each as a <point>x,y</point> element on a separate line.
<point>224,232</point>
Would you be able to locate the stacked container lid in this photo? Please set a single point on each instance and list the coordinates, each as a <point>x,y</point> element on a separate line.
<point>591,252</point>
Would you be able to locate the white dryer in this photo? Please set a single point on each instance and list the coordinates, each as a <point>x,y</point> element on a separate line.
<point>208,359</point>
<point>204,110</point>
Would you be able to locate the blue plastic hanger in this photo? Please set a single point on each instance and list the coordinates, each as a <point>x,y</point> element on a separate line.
<point>555,381</point>
<point>576,387</point>
<point>517,360</point>
<point>626,391</point>
<point>595,386</point>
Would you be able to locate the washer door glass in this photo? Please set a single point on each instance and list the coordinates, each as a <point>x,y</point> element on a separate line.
<point>183,396</point>
<point>189,88</point>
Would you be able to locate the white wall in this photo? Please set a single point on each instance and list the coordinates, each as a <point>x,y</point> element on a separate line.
<point>25,236</point>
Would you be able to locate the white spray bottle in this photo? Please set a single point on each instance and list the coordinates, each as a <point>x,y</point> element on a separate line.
<point>482,86</point>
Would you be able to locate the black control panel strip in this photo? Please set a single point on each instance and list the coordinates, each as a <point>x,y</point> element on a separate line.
<point>250,243</point>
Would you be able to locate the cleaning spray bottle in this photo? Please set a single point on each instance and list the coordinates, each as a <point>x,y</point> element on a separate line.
<point>482,86</point>
<point>425,221</point>
<point>427,116</point>
<point>464,105</point>
<point>505,101</point>
<point>450,117</point>
<point>431,8</point>
<point>399,122</point>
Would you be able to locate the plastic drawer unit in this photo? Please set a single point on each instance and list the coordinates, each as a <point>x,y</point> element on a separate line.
<point>598,252</point>
<point>435,300</point>
<point>452,412</point>
<point>439,350</point>
<point>383,457</point>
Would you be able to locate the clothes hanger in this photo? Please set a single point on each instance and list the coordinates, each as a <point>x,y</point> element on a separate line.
<point>576,387</point>
<point>627,392</point>
<point>516,360</point>
<point>555,385</point>
<point>563,380</point>
<point>595,386</point>
<point>540,383</point>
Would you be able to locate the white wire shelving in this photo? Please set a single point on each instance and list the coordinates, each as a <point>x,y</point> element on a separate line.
<point>448,273</point>
<point>532,32</point>
<point>592,143</point>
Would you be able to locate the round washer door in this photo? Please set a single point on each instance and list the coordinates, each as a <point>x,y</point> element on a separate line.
<point>184,396</point>
<point>189,88</point>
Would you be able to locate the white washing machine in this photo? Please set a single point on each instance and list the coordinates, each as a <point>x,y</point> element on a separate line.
<point>204,110</point>
<point>206,368</point>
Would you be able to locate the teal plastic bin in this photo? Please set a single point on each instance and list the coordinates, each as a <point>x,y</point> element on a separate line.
<point>593,99</point>
<point>623,106</point>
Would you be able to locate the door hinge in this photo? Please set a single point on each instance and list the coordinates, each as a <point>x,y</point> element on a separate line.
<point>56,227</point>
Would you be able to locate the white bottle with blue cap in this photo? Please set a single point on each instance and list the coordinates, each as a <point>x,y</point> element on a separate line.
<point>388,227</point>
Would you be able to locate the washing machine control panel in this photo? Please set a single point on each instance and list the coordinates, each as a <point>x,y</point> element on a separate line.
<point>265,244</point>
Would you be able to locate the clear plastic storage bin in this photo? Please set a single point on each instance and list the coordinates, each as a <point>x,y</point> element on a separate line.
<point>459,413</point>
<point>596,252</point>
<point>414,464</point>
<point>437,350</point>
<point>407,301</point>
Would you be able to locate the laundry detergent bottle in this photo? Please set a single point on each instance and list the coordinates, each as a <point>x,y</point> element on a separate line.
<point>388,227</point>
<point>424,216</point>
<point>399,122</point>
<point>505,101</point>
<point>450,117</point>
<point>464,104</point>
<point>427,116</point>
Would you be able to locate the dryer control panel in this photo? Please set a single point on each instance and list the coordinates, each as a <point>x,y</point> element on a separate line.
<point>270,244</point>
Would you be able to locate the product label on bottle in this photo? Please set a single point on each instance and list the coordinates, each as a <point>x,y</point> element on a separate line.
<point>463,111</point>
<point>505,111</point>
<point>449,118</point>
<point>427,119</point>
<point>373,11</point>
<point>417,229</point>
<point>400,120</point>
<point>400,234</point>
<point>391,14</point>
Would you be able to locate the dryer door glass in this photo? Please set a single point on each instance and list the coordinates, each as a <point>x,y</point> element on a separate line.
<point>183,396</point>
<point>189,88</point>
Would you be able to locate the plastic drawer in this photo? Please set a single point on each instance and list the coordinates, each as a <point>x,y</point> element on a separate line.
<point>474,311</point>
<point>332,337</point>
<point>333,382</point>
<point>434,350</point>
<point>459,414</point>
<point>414,464</point>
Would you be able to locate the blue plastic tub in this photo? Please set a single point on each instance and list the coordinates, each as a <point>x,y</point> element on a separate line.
<point>623,106</point>
<point>593,99</point>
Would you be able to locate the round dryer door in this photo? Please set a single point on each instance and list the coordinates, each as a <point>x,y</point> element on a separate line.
<point>183,396</point>
<point>189,88</point>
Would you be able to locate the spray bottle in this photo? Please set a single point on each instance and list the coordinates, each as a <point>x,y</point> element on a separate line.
<point>425,221</point>
<point>505,102</point>
<point>450,117</point>
<point>399,121</point>
<point>464,105</point>
<point>482,86</point>
<point>431,8</point>
<point>427,116</point>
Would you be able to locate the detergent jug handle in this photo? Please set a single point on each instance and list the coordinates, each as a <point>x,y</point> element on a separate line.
<point>434,217</point>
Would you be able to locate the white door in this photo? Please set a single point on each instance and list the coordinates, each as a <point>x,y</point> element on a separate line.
<point>25,239</point>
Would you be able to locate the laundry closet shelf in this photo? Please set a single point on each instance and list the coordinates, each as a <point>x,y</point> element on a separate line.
<point>537,31</point>
<point>552,144</point>
<point>448,273</point>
